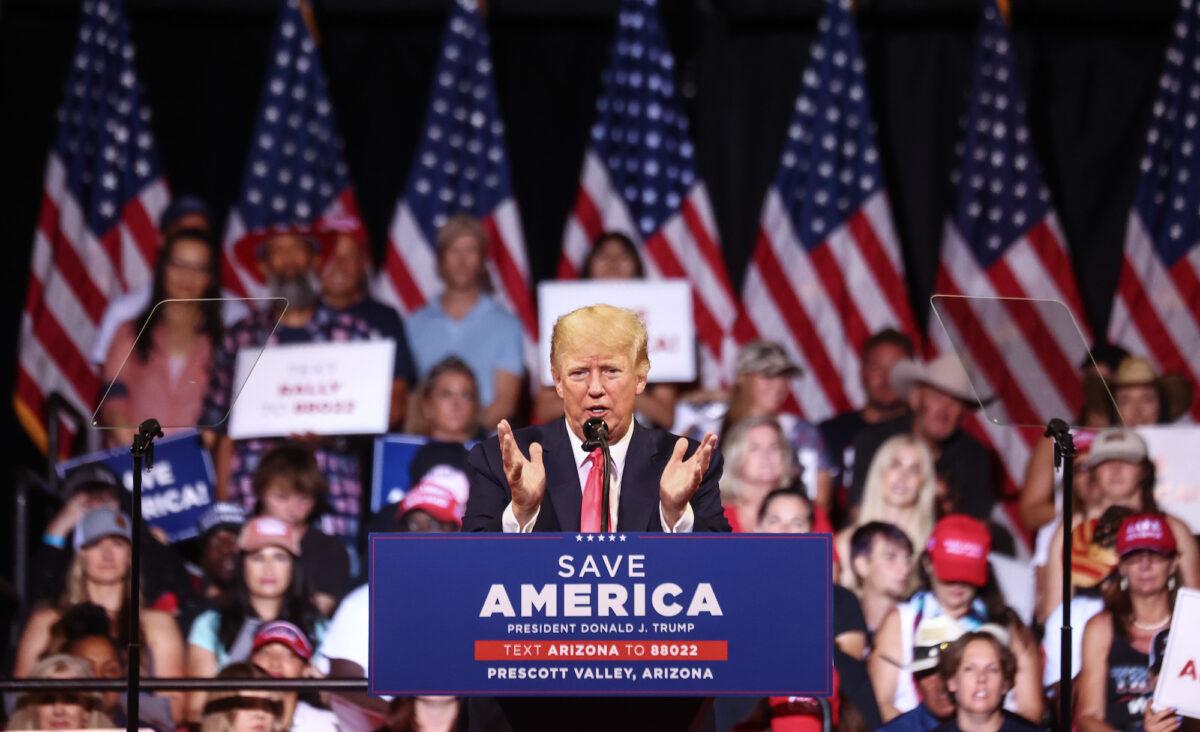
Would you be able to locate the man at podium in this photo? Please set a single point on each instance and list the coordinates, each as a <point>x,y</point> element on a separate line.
<point>542,478</point>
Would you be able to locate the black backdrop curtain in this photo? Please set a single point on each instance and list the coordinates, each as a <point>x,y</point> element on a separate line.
<point>1089,70</point>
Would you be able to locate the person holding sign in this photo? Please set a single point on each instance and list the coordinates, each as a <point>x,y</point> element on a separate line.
<point>541,479</point>
<point>1114,683</point>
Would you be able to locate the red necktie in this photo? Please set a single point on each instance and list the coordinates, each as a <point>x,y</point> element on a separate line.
<point>593,494</point>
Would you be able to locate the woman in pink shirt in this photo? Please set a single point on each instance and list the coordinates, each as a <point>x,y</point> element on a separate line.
<point>159,362</point>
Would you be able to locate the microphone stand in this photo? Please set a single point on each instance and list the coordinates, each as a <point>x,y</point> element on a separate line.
<point>1064,455</point>
<point>596,433</point>
<point>142,450</point>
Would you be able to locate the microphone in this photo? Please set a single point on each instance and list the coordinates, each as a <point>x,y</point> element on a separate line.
<point>595,434</point>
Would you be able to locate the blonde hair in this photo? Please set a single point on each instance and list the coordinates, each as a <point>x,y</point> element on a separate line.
<point>59,666</point>
<point>733,449</point>
<point>75,586</point>
<point>919,523</point>
<point>600,328</point>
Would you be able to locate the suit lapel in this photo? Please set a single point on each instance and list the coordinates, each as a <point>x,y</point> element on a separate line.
<point>562,476</point>
<point>639,483</point>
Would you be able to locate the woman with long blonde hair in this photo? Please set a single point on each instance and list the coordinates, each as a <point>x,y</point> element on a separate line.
<point>758,459</point>
<point>100,574</point>
<point>900,489</point>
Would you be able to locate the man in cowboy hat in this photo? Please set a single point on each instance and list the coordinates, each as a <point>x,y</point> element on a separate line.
<point>939,395</point>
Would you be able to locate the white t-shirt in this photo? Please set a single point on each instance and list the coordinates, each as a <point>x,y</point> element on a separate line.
<point>347,636</point>
<point>307,718</point>
<point>1083,609</point>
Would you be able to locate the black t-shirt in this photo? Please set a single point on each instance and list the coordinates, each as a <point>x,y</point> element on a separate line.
<point>838,434</point>
<point>847,612</point>
<point>386,322</point>
<point>326,563</point>
<point>971,471</point>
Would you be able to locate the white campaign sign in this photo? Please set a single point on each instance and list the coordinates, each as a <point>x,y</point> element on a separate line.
<point>1179,680</point>
<point>665,305</point>
<point>319,388</point>
<point>1177,470</point>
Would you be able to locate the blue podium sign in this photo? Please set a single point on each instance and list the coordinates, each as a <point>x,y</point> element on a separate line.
<point>601,614</point>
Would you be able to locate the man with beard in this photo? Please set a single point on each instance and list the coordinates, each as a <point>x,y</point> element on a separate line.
<point>880,353</point>
<point>288,260</point>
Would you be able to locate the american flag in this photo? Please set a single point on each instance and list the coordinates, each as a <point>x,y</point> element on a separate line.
<point>295,174</point>
<point>639,178</point>
<point>96,233</point>
<point>1156,311</point>
<point>827,270</point>
<point>460,167</point>
<point>1003,240</point>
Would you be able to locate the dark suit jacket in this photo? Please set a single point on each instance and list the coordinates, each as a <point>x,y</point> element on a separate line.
<point>649,451</point>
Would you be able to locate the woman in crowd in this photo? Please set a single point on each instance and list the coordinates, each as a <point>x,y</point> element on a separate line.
<point>270,585</point>
<point>764,378</point>
<point>290,486</point>
<point>244,710</point>
<point>900,489</point>
<point>449,403</point>
<point>99,574</point>
<point>614,256</point>
<point>955,582</point>
<point>167,371</point>
<point>284,652</point>
<point>758,460</point>
<point>1114,684</point>
<point>83,633</point>
<point>1120,473</point>
<point>980,670</point>
<point>59,709</point>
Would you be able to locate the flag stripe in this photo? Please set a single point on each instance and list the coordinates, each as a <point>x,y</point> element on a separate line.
<point>887,277</point>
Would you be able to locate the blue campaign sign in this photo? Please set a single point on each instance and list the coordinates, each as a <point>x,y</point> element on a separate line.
<point>593,614</point>
<point>393,458</point>
<point>175,491</point>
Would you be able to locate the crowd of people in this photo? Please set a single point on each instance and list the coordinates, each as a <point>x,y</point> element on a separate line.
<point>273,584</point>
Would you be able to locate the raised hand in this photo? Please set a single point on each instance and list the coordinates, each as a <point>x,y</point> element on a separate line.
<point>526,477</point>
<point>681,478</point>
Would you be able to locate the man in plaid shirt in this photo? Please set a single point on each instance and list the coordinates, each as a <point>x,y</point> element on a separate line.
<point>289,261</point>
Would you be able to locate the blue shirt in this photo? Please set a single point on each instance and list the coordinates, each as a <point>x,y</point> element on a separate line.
<point>487,338</point>
<point>915,720</point>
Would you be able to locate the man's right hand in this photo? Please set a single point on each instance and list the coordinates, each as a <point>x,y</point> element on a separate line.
<point>526,477</point>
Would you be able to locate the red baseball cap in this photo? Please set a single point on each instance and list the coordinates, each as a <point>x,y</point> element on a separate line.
<point>261,532</point>
<point>433,500</point>
<point>1145,532</point>
<point>959,547</point>
<point>281,631</point>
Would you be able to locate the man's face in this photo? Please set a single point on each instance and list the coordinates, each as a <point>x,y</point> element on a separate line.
<point>602,385</point>
<point>452,405</point>
<point>886,569</point>
<point>1138,404</point>
<point>219,559</point>
<point>461,263</point>
<point>280,500</point>
<point>936,414</point>
<point>288,256</point>
<point>876,375</point>
<point>767,392</point>
<point>279,661</point>
<point>934,694</point>
<point>344,272</point>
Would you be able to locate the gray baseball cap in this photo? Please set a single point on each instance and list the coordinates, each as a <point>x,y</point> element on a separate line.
<point>100,523</point>
<point>766,357</point>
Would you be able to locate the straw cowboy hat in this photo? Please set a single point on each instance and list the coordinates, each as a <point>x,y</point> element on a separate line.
<point>1175,390</point>
<point>944,373</point>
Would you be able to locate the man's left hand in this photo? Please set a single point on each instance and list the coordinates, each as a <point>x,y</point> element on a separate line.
<point>681,478</point>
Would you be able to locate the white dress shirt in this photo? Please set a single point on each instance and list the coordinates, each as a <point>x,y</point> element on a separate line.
<point>583,464</point>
